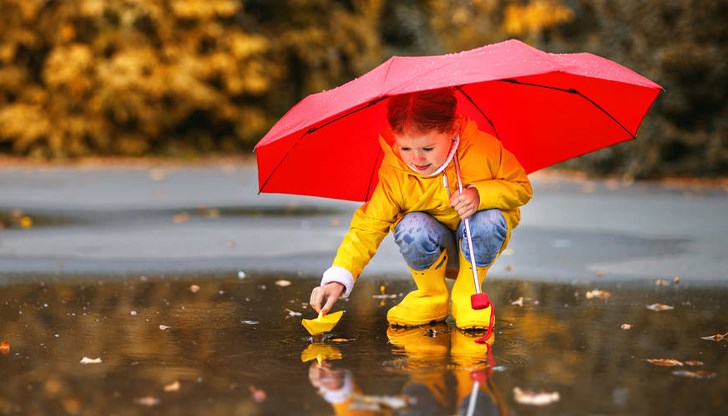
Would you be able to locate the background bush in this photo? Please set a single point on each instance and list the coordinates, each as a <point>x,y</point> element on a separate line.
<point>179,77</point>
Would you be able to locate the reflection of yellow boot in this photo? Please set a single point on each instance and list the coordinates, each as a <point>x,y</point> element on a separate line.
<point>429,303</point>
<point>465,316</point>
<point>426,349</point>
<point>421,343</point>
<point>468,354</point>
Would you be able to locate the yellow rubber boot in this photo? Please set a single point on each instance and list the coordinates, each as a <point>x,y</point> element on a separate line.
<point>429,303</point>
<point>465,316</point>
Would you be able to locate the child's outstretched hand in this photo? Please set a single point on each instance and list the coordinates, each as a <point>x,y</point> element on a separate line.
<point>331,292</point>
<point>467,203</point>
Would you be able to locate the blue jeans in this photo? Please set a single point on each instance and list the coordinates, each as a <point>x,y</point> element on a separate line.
<point>421,238</point>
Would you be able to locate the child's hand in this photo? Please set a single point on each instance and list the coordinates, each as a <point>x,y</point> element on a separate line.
<point>331,292</point>
<point>467,203</point>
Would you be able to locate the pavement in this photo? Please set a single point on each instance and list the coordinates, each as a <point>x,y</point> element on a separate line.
<point>108,221</point>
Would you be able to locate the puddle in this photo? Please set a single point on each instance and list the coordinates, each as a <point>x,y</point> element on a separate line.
<point>236,346</point>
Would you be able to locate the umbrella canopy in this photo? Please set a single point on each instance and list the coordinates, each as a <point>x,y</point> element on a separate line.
<point>544,107</point>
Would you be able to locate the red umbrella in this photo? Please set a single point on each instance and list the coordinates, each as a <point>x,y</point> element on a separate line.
<point>544,107</point>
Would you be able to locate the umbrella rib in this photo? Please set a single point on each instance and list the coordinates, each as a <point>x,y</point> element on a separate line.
<point>460,88</point>
<point>576,92</point>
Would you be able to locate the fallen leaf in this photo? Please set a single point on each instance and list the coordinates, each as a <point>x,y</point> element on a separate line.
<point>249,322</point>
<point>676,280</point>
<point>258,394</point>
<point>147,401</point>
<point>694,374</point>
<point>664,362</point>
<point>283,283</point>
<point>292,313</point>
<point>716,337</point>
<point>194,288</point>
<point>4,348</point>
<point>86,360</point>
<point>172,387</point>
<point>164,327</point>
<point>626,326</point>
<point>181,218</point>
<point>662,282</point>
<point>26,222</point>
<point>600,294</point>
<point>518,302</point>
<point>657,307</point>
<point>534,398</point>
<point>694,363</point>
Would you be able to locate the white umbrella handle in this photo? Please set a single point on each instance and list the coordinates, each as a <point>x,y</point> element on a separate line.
<point>468,235</point>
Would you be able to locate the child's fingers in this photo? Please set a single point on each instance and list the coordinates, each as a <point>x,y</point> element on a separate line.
<point>316,299</point>
<point>330,301</point>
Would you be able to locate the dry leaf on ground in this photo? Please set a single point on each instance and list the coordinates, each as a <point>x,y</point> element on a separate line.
<point>658,307</point>
<point>535,398</point>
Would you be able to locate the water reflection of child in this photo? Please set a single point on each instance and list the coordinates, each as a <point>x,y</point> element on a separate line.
<point>418,199</point>
<point>432,389</point>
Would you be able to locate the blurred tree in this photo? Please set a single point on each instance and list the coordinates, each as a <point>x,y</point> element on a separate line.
<point>682,46</point>
<point>131,77</point>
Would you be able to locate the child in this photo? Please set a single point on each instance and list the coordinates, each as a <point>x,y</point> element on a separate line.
<point>417,198</point>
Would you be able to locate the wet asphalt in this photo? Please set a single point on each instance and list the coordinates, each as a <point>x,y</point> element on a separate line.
<point>173,220</point>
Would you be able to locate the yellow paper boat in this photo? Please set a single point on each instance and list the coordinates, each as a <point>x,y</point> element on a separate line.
<point>323,323</point>
<point>320,352</point>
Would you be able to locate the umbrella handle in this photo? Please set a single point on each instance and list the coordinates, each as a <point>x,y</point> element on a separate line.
<point>469,237</point>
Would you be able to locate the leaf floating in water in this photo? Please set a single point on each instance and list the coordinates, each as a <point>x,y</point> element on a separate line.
<point>662,282</point>
<point>535,398</point>
<point>518,302</point>
<point>626,326</point>
<point>694,374</point>
<point>599,294</point>
<point>658,307</point>
<point>249,322</point>
<point>86,360</point>
<point>292,313</point>
<point>164,327</point>
<point>4,348</point>
<point>283,283</point>
<point>664,362</point>
<point>258,394</point>
<point>694,363</point>
<point>172,387</point>
<point>716,337</point>
<point>147,401</point>
<point>194,288</point>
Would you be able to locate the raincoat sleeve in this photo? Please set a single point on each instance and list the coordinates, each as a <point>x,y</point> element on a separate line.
<point>369,225</point>
<point>508,186</point>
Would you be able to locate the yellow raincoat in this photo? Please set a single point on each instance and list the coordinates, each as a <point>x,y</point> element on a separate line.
<point>484,164</point>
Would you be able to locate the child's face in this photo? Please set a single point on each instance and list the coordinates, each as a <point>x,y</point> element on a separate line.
<point>424,152</point>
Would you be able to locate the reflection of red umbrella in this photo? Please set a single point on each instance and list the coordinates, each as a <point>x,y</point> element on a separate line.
<point>545,108</point>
